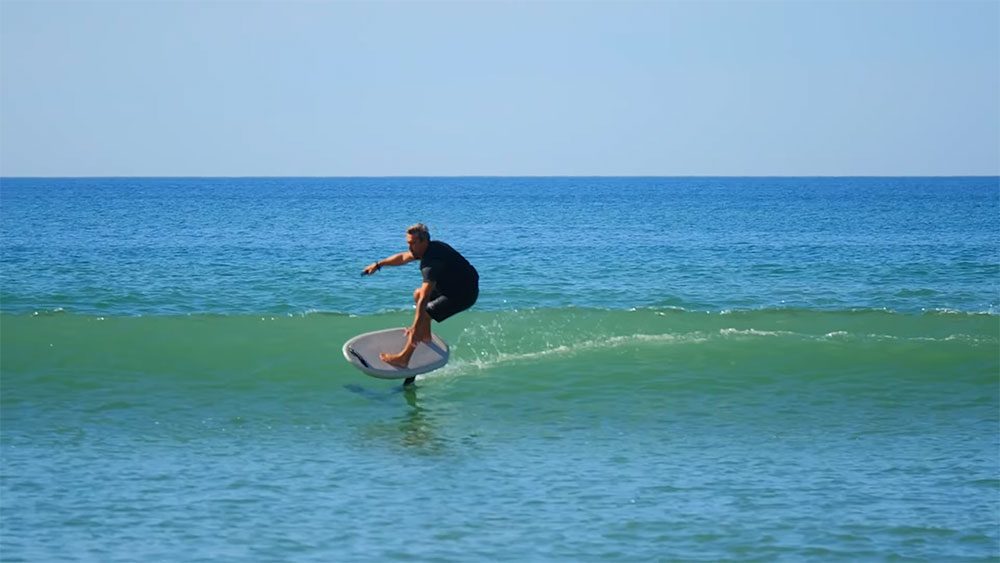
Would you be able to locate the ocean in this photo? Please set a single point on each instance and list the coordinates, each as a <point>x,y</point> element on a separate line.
<point>658,369</point>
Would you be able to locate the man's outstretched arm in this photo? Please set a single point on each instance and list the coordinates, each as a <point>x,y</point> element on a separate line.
<point>394,260</point>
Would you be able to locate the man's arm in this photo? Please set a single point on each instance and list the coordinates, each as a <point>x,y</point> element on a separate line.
<point>394,260</point>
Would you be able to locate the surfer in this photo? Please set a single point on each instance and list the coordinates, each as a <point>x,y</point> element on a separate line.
<point>450,285</point>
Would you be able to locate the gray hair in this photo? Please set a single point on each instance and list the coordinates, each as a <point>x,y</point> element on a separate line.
<point>420,231</point>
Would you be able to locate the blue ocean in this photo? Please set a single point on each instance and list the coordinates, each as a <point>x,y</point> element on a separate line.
<point>658,369</point>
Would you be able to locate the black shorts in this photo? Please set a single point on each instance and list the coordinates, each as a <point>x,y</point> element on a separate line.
<point>441,306</point>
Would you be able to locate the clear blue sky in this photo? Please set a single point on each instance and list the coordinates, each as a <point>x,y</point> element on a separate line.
<point>308,88</point>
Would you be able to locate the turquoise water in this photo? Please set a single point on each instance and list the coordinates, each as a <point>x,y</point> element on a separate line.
<point>658,369</point>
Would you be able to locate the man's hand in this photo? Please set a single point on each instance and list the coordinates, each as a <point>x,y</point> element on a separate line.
<point>371,269</point>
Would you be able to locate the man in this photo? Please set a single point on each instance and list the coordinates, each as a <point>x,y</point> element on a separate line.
<point>451,285</point>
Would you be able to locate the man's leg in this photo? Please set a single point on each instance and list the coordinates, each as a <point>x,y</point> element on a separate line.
<point>421,333</point>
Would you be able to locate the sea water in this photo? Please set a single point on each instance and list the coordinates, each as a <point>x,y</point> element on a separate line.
<point>657,369</point>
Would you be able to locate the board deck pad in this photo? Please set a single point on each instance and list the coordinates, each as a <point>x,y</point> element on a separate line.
<point>363,351</point>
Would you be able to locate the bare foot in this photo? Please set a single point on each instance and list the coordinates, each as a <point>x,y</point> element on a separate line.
<point>400,360</point>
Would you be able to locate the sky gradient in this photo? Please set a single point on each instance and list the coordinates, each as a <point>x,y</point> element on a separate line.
<point>306,88</point>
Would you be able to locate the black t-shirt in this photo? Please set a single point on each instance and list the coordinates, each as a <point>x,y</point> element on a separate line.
<point>451,272</point>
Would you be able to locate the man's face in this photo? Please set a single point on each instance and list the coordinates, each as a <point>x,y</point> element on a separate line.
<point>417,246</point>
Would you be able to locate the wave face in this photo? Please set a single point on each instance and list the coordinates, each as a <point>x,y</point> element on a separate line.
<point>585,349</point>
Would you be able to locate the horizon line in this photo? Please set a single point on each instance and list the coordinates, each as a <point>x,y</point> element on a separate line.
<point>223,176</point>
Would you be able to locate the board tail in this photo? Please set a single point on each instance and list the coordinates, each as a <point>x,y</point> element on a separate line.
<point>359,357</point>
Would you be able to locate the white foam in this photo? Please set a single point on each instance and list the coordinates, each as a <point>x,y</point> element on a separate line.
<point>487,361</point>
<point>754,332</point>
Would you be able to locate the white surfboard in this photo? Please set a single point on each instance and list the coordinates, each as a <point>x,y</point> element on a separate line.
<point>363,351</point>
